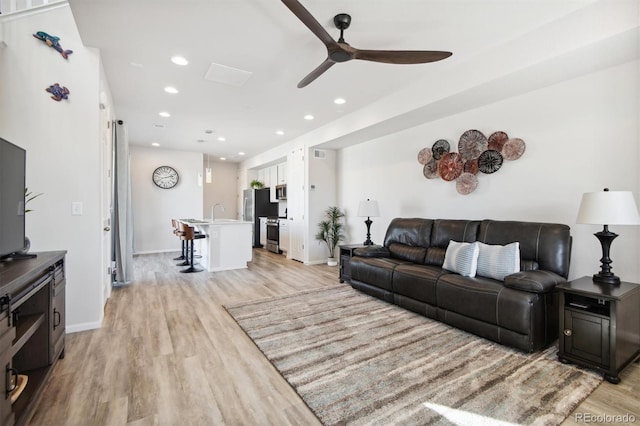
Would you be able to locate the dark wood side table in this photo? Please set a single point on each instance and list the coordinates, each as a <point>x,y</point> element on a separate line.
<point>346,253</point>
<point>599,325</point>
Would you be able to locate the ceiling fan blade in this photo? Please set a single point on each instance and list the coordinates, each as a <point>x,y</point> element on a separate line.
<point>401,56</point>
<point>311,22</point>
<point>328,63</point>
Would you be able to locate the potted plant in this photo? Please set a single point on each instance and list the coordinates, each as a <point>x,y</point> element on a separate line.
<point>28,196</point>
<point>330,231</point>
<point>256,184</point>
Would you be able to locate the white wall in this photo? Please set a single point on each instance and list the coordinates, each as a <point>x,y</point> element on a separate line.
<point>582,135</point>
<point>222,189</point>
<point>62,140</point>
<point>153,207</point>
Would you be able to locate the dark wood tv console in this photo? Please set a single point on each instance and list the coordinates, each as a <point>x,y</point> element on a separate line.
<point>32,329</point>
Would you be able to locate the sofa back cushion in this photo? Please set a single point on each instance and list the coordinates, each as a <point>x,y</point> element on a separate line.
<point>408,238</point>
<point>545,246</point>
<point>445,230</point>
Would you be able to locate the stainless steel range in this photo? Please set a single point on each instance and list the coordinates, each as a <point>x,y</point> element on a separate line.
<point>273,234</point>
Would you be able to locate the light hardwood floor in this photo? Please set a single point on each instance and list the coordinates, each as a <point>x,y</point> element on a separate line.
<point>169,354</point>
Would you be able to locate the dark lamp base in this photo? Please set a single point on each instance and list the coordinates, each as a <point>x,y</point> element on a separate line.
<point>606,279</point>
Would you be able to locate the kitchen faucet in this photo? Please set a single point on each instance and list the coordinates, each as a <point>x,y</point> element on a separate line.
<point>213,208</point>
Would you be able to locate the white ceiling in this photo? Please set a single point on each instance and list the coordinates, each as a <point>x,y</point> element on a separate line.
<point>266,39</point>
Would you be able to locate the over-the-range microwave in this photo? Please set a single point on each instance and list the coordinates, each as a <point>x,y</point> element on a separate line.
<point>281,192</point>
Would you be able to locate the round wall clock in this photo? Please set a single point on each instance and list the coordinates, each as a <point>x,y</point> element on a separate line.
<point>165,177</point>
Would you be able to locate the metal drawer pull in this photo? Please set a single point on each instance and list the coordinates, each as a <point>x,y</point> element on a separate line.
<point>9,387</point>
<point>57,318</point>
<point>579,305</point>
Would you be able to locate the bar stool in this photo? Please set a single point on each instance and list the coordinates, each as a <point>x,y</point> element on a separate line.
<point>176,231</point>
<point>188,234</point>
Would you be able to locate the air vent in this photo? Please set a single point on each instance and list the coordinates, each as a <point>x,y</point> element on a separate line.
<point>319,154</point>
<point>227,75</point>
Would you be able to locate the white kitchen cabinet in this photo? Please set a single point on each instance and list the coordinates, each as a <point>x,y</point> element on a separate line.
<point>263,231</point>
<point>284,235</point>
<point>273,181</point>
<point>282,173</point>
<point>261,177</point>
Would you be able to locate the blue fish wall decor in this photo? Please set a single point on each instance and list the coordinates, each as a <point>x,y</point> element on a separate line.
<point>54,42</point>
<point>58,92</point>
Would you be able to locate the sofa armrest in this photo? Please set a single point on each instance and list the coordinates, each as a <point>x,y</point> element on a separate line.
<point>372,251</point>
<point>534,281</point>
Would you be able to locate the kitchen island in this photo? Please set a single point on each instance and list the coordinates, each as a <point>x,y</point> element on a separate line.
<point>227,245</point>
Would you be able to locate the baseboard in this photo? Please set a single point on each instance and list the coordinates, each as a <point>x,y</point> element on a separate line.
<point>176,250</point>
<point>315,262</point>
<point>83,327</point>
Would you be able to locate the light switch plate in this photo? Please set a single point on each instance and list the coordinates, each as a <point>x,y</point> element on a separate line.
<point>76,208</point>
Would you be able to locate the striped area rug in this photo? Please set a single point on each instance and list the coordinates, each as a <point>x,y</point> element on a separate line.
<point>358,360</point>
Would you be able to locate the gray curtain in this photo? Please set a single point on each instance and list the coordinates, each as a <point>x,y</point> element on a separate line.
<point>122,220</point>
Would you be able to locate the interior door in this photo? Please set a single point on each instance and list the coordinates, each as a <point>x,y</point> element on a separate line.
<point>106,130</point>
<point>295,204</point>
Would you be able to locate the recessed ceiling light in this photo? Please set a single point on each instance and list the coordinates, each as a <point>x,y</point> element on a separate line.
<point>135,64</point>
<point>164,114</point>
<point>339,101</point>
<point>179,60</point>
<point>221,139</point>
<point>308,117</point>
<point>208,131</point>
<point>171,90</point>
<point>279,132</point>
<point>155,144</point>
<point>241,153</point>
<point>223,158</point>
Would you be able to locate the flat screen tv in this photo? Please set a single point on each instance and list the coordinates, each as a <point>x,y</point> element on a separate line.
<point>12,184</point>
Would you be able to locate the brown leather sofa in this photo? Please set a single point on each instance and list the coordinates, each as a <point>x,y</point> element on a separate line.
<point>520,311</point>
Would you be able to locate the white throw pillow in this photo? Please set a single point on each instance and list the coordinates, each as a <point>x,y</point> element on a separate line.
<point>497,262</point>
<point>461,258</point>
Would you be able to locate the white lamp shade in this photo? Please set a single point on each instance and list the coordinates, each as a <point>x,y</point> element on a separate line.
<point>368,208</point>
<point>608,208</point>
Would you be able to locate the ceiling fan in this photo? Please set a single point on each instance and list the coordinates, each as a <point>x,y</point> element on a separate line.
<point>340,51</point>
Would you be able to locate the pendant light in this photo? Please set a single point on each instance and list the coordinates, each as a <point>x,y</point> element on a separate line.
<point>208,178</point>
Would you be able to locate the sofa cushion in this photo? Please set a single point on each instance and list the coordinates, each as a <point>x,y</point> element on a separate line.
<point>495,261</point>
<point>546,244</point>
<point>461,258</point>
<point>472,297</point>
<point>417,282</point>
<point>445,230</point>
<point>375,271</point>
<point>411,232</point>
<point>408,253</point>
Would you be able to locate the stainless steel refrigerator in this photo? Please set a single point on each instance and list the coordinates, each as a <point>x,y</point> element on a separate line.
<point>255,204</point>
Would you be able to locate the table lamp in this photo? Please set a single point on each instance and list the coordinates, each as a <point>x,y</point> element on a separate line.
<point>368,209</point>
<point>608,208</point>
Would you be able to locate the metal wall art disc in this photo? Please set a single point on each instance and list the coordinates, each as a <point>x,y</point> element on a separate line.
<point>450,166</point>
<point>425,155</point>
<point>497,140</point>
<point>472,143</point>
<point>490,161</point>
<point>440,148</point>
<point>513,149</point>
<point>471,166</point>
<point>466,183</point>
<point>430,170</point>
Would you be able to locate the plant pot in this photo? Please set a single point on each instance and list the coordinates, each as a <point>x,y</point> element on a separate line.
<point>332,261</point>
